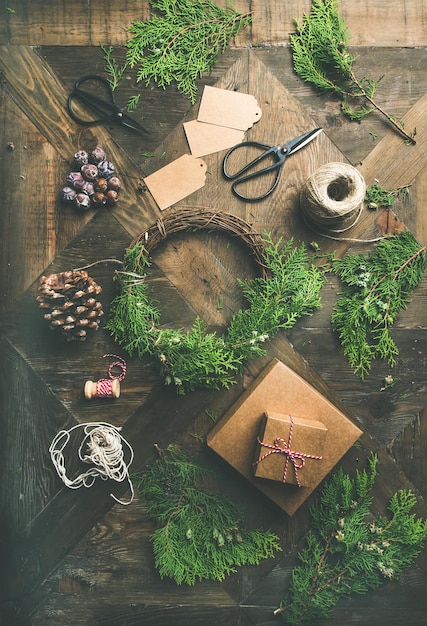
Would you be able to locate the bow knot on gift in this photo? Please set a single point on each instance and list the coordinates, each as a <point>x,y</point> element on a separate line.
<point>281,446</point>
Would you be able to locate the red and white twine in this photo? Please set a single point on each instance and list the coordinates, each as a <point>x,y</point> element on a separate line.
<point>104,386</point>
<point>281,446</point>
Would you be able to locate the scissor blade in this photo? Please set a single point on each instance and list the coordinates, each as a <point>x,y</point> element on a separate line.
<point>133,125</point>
<point>299,142</point>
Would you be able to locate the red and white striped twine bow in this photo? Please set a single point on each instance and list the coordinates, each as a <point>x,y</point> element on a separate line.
<point>281,446</point>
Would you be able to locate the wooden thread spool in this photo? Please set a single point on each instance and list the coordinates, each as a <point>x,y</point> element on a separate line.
<point>105,388</point>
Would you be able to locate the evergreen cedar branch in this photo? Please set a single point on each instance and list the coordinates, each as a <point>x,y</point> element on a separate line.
<point>345,553</point>
<point>199,534</point>
<point>321,57</point>
<point>201,359</point>
<point>181,41</point>
<point>377,287</point>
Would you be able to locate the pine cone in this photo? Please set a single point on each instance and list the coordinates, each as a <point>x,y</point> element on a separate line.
<point>69,299</point>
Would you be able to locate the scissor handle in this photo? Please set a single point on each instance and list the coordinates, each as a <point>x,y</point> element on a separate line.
<point>108,110</point>
<point>269,151</point>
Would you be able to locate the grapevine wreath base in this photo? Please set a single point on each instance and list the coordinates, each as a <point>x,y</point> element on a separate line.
<point>189,220</point>
<point>287,288</point>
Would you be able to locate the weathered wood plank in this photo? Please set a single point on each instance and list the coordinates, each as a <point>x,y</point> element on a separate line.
<point>409,450</point>
<point>38,22</point>
<point>389,605</point>
<point>45,379</point>
<point>30,418</point>
<point>32,226</point>
<point>365,21</point>
<point>29,83</point>
<point>388,169</point>
<point>105,614</point>
<point>90,23</point>
<point>420,219</point>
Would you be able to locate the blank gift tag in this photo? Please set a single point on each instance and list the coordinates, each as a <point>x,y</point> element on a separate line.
<point>208,138</point>
<point>228,108</point>
<point>177,180</point>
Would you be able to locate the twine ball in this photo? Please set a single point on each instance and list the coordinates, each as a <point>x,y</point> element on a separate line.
<point>332,198</point>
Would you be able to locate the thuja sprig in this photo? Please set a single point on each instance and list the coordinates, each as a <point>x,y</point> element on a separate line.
<point>181,41</point>
<point>377,287</point>
<point>277,302</point>
<point>196,358</point>
<point>321,57</point>
<point>113,70</point>
<point>349,550</point>
<point>377,195</point>
<point>200,533</point>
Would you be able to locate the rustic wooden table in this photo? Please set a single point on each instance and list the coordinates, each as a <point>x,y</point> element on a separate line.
<point>75,557</point>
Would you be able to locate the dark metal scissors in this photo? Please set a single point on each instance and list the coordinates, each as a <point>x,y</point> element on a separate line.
<point>278,153</point>
<point>106,110</point>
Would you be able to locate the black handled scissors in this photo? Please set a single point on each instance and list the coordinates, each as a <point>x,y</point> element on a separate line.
<point>278,153</point>
<point>106,110</point>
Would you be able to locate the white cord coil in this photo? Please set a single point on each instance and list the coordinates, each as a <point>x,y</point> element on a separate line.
<point>103,446</point>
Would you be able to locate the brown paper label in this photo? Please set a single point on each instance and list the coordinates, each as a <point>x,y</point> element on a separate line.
<point>205,138</point>
<point>177,180</point>
<point>228,108</point>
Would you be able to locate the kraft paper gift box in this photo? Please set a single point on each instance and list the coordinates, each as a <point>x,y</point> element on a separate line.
<point>289,449</point>
<point>279,389</point>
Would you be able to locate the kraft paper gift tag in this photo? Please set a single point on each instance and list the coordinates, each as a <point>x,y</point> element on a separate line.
<point>232,109</point>
<point>205,139</point>
<point>177,180</point>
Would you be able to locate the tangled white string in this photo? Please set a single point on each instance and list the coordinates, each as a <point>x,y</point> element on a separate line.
<point>103,446</point>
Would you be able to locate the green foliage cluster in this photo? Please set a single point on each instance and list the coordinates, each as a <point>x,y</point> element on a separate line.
<point>348,549</point>
<point>377,287</point>
<point>199,534</point>
<point>381,197</point>
<point>113,70</point>
<point>197,358</point>
<point>182,41</point>
<point>277,302</point>
<point>320,48</point>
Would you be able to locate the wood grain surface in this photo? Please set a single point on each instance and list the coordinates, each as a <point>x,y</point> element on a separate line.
<point>74,557</point>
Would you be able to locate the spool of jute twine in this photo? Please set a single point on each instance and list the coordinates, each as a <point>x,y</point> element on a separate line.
<point>331,199</point>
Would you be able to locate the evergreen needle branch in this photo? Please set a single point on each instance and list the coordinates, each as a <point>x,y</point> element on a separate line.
<point>391,119</point>
<point>200,534</point>
<point>376,195</point>
<point>221,26</point>
<point>349,549</point>
<point>113,70</point>
<point>181,41</point>
<point>377,287</point>
<point>322,58</point>
<point>397,271</point>
<point>408,261</point>
<point>199,359</point>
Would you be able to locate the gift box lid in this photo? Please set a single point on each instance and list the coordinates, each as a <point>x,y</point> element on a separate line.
<point>291,449</point>
<point>279,389</point>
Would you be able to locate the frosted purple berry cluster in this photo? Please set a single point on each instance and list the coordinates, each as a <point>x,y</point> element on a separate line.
<point>92,183</point>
